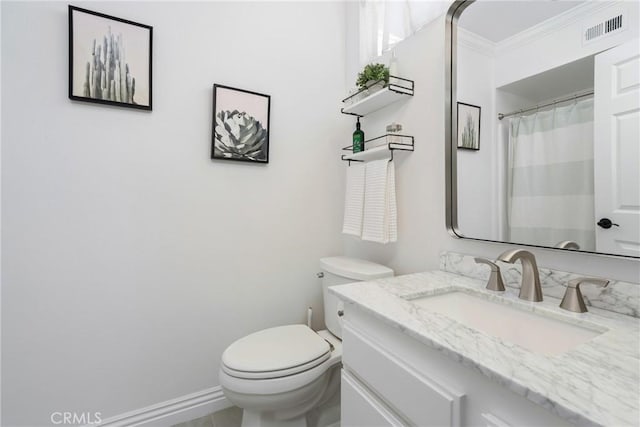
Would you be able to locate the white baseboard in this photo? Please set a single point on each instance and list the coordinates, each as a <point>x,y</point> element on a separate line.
<point>174,411</point>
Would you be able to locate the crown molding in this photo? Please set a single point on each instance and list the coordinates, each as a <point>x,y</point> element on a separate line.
<point>475,42</point>
<point>554,24</point>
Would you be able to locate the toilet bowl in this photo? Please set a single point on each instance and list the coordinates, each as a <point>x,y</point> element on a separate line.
<point>290,375</point>
<point>279,394</point>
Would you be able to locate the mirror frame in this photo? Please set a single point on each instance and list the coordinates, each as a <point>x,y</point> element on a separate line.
<point>451,149</point>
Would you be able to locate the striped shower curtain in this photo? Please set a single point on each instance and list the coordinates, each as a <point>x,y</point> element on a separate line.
<point>550,177</point>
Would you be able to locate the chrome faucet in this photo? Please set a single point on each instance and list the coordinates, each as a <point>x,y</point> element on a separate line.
<point>530,288</point>
<point>495,282</point>
<point>573,300</point>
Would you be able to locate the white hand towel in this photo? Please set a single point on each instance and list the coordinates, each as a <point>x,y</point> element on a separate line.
<point>392,209</point>
<point>380,213</point>
<point>354,200</point>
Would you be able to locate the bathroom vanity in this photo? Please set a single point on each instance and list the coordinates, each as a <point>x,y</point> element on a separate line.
<point>410,361</point>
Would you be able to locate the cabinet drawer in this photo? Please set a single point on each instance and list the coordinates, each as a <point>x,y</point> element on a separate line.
<point>360,409</point>
<point>421,400</point>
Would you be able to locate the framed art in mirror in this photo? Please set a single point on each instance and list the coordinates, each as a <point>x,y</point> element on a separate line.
<point>468,126</point>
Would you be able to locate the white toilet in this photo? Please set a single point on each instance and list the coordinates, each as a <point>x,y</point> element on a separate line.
<point>288,375</point>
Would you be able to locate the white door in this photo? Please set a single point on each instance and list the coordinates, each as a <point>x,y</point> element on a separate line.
<point>617,149</point>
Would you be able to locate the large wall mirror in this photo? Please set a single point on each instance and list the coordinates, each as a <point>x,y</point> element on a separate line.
<point>543,124</point>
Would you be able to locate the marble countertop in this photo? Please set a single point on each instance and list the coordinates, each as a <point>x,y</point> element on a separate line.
<point>595,383</point>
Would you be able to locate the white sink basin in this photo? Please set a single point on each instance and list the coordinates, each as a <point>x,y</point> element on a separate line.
<point>535,332</point>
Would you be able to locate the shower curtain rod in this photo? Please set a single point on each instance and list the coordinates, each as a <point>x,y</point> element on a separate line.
<point>537,107</point>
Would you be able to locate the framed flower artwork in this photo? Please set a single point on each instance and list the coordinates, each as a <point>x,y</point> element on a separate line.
<point>240,125</point>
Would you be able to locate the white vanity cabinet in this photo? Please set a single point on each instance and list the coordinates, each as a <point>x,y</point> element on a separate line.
<point>390,379</point>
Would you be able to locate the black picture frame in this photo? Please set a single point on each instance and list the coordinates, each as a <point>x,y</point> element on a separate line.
<point>468,138</point>
<point>110,60</point>
<point>236,112</point>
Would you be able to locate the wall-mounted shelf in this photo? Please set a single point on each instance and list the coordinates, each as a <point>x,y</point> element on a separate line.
<point>397,89</point>
<point>383,148</point>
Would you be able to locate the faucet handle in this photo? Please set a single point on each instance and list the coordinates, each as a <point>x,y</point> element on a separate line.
<point>573,299</point>
<point>495,282</point>
<point>493,265</point>
<point>568,244</point>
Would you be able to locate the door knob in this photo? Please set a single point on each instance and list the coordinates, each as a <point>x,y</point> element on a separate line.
<point>606,223</point>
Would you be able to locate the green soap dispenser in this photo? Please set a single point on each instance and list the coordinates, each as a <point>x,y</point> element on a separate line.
<point>358,138</point>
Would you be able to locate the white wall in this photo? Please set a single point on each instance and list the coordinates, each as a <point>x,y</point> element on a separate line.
<point>421,183</point>
<point>130,259</point>
<point>420,197</point>
<point>478,201</point>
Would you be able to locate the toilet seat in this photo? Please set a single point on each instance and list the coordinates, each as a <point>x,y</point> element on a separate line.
<point>276,374</point>
<point>275,352</point>
<point>283,384</point>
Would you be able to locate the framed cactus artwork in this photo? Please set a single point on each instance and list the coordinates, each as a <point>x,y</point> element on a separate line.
<point>109,60</point>
<point>240,125</point>
<point>468,126</point>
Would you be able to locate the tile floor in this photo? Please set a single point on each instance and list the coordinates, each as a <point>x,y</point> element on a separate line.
<point>230,417</point>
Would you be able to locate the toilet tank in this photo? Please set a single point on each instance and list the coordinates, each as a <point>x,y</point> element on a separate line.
<point>339,270</point>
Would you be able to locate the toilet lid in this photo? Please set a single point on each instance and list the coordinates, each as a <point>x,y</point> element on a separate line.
<point>355,269</point>
<point>275,352</point>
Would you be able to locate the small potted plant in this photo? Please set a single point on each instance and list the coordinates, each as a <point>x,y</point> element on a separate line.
<point>373,77</point>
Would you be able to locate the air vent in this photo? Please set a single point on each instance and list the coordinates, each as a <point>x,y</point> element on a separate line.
<point>604,28</point>
<point>594,32</point>
<point>613,24</point>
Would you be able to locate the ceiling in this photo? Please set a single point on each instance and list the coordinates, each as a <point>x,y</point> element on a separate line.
<point>497,20</point>
<point>573,77</point>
